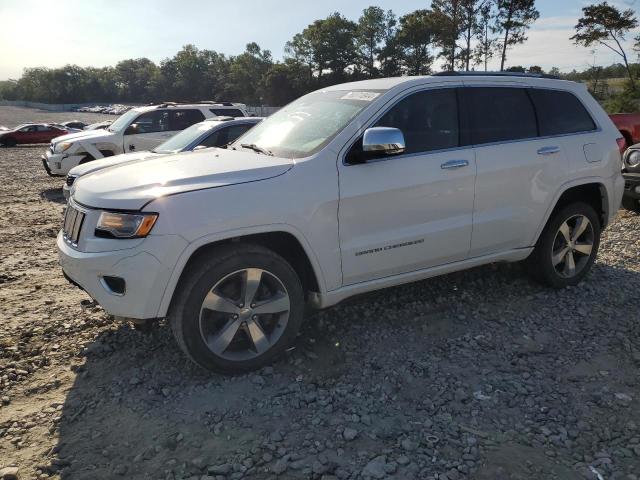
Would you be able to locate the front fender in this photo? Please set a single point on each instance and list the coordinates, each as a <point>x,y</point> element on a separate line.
<point>192,247</point>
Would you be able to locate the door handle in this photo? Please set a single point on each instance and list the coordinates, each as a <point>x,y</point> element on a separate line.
<point>454,164</point>
<point>132,147</point>
<point>548,150</point>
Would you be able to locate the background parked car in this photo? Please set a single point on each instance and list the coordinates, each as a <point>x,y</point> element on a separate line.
<point>629,126</point>
<point>141,128</point>
<point>31,133</point>
<point>99,125</point>
<point>631,174</point>
<point>77,124</point>
<point>214,132</point>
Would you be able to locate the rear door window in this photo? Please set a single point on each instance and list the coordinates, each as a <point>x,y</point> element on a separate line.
<point>560,113</point>
<point>498,114</point>
<point>181,119</point>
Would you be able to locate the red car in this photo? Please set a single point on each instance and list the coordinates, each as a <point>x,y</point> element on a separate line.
<point>629,126</point>
<point>31,133</point>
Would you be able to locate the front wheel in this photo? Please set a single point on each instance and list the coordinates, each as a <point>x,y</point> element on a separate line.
<point>567,246</point>
<point>237,309</point>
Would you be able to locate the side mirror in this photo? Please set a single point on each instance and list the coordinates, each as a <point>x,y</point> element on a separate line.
<point>382,141</point>
<point>200,147</point>
<point>131,129</point>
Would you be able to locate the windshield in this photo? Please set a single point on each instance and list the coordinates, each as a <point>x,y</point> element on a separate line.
<point>186,137</point>
<point>123,121</point>
<point>306,125</point>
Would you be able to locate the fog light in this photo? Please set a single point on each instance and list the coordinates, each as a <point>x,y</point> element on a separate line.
<point>114,285</point>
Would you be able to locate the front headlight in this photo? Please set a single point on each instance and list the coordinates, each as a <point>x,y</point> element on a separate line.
<point>61,147</point>
<point>126,225</point>
<point>632,160</point>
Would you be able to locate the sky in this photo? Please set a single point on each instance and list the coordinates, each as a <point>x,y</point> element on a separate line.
<point>102,32</point>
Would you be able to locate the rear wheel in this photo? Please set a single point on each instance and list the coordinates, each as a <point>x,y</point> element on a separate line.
<point>567,246</point>
<point>237,309</point>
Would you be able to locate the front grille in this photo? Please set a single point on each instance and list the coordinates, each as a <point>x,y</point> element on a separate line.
<point>72,225</point>
<point>70,180</point>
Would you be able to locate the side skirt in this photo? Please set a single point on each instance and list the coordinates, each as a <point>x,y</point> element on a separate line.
<point>328,299</point>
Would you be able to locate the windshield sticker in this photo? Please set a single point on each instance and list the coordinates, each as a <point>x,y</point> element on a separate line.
<point>362,96</point>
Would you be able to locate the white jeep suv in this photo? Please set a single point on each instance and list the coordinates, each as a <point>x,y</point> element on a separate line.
<point>349,189</point>
<point>141,128</point>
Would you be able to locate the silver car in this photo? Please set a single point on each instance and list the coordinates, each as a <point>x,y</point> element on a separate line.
<point>215,132</point>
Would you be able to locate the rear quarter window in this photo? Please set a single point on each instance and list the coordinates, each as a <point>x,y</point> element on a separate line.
<point>181,119</point>
<point>560,113</point>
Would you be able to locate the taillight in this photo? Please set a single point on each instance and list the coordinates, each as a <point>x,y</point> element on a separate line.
<point>622,144</point>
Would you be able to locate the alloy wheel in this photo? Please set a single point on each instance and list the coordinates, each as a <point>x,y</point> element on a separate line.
<point>572,246</point>
<point>244,314</point>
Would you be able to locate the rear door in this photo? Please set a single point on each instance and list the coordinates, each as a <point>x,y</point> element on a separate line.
<point>518,173</point>
<point>562,115</point>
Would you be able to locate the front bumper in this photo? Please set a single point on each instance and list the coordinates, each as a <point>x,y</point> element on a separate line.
<point>632,185</point>
<point>146,277</point>
<point>59,164</point>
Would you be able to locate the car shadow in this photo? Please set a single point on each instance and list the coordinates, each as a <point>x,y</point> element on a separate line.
<point>139,409</point>
<point>53,195</point>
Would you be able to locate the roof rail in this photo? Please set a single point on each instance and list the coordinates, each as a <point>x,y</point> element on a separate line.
<point>495,74</point>
<point>195,102</point>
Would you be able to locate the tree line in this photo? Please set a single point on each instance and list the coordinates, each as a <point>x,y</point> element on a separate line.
<point>458,34</point>
<point>463,34</point>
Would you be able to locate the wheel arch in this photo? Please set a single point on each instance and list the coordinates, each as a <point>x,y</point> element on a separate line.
<point>589,190</point>
<point>283,240</point>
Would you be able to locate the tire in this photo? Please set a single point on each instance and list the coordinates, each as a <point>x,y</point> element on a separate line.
<point>553,256</point>
<point>10,142</point>
<point>214,327</point>
<point>632,204</point>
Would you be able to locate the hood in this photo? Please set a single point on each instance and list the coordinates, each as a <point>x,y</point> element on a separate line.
<point>132,185</point>
<point>82,134</point>
<point>101,163</point>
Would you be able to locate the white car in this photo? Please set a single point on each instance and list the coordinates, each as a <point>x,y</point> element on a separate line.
<point>349,189</point>
<point>213,132</point>
<point>139,129</point>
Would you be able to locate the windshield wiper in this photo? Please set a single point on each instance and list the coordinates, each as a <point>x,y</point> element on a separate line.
<point>256,148</point>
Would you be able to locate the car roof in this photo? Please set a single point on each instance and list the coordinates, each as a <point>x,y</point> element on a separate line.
<point>391,83</point>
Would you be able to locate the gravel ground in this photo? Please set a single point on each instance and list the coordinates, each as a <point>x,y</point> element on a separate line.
<point>476,375</point>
